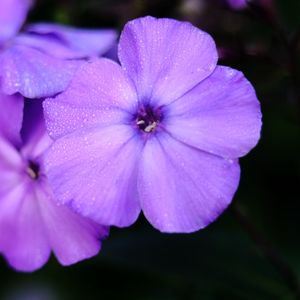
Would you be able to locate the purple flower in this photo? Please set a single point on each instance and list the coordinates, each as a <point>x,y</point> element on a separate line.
<point>242,4</point>
<point>41,61</point>
<point>237,4</point>
<point>31,223</point>
<point>161,133</point>
<point>12,16</point>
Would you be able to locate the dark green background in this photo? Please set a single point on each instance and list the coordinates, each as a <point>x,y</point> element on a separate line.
<point>221,261</point>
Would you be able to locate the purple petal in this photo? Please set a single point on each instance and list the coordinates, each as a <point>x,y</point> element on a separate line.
<point>165,58</point>
<point>94,172</point>
<point>89,101</point>
<point>23,239</point>
<point>112,53</point>
<point>47,45</point>
<point>10,162</point>
<point>221,115</point>
<point>34,135</point>
<point>33,73</point>
<point>72,237</point>
<point>181,188</point>
<point>11,115</point>
<point>79,42</point>
<point>12,16</point>
<point>33,127</point>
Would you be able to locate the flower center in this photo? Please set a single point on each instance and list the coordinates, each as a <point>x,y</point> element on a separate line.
<point>33,170</point>
<point>147,119</point>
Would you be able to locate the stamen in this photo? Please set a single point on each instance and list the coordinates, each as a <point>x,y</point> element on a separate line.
<point>33,170</point>
<point>31,173</point>
<point>147,119</point>
<point>140,122</point>
<point>150,127</point>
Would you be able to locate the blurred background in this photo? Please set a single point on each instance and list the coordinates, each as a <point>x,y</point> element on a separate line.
<point>253,250</point>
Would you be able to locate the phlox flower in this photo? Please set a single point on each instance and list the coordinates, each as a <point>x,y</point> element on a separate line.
<point>161,133</point>
<point>41,60</point>
<point>242,4</point>
<point>31,223</point>
<point>237,4</point>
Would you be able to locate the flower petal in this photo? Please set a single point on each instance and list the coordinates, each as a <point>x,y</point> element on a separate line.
<point>10,164</point>
<point>12,16</point>
<point>221,115</point>
<point>94,172</point>
<point>47,45</point>
<point>89,101</point>
<point>34,135</point>
<point>11,115</point>
<point>181,188</point>
<point>165,58</point>
<point>82,42</point>
<point>237,4</point>
<point>33,73</point>
<point>23,239</point>
<point>72,237</point>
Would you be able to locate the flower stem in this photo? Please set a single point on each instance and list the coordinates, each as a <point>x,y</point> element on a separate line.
<point>267,249</point>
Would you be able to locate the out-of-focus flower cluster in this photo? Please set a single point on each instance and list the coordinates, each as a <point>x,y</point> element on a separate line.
<point>161,133</point>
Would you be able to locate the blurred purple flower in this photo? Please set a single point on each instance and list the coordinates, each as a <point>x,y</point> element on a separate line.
<point>237,4</point>
<point>161,133</point>
<point>31,223</point>
<point>12,16</point>
<point>41,60</point>
<point>242,4</point>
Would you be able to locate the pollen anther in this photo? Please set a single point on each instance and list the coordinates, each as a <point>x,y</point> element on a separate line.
<point>31,173</point>
<point>150,127</point>
<point>33,170</point>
